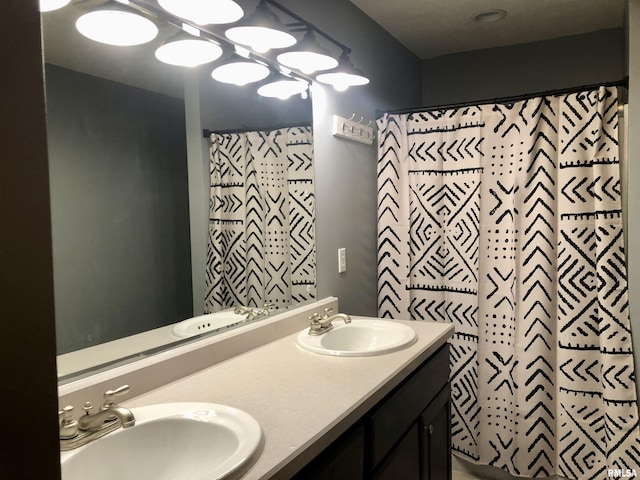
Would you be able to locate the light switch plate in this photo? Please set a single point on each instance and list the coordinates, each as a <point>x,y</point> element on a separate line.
<point>342,260</point>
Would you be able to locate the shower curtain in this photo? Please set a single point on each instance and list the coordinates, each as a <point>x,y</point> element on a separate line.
<point>506,220</point>
<point>261,247</point>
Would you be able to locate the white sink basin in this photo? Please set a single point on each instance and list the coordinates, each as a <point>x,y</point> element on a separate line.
<point>195,441</point>
<point>209,322</point>
<point>360,338</point>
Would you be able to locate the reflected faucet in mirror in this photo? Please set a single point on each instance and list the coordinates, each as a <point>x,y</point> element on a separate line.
<point>251,313</point>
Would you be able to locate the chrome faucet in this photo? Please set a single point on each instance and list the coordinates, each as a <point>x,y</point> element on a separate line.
<point>266,309</point>
<point>250,313</point>
<point>246,311</point>
<point>322,324</point>
<point>91,426</point>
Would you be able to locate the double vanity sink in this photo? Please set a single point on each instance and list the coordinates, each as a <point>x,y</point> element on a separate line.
<point>176,438</point>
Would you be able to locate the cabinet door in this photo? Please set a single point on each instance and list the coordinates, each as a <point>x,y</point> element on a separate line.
<point>435,444</point>
<point>343,459</point>
<point>403,462</point>
<point>389,421</point>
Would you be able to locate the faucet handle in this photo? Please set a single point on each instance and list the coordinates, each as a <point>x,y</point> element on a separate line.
<point>68,426</point>
<point>110,395</point>
<point>65,416</point>
<point>87,407</point>
<point>328,312</point>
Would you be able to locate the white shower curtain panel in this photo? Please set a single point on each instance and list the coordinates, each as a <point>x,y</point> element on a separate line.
<point>261,221</point>
<point>506,221</point>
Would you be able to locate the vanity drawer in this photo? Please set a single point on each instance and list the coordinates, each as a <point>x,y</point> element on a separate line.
<point>392,418</point>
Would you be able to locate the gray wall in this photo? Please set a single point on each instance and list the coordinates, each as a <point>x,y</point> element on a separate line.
<point>346,189</point>
<point>121,245</point>
<point>528,68</point>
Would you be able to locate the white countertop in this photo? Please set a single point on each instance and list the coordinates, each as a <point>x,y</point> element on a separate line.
<point>302,400</point>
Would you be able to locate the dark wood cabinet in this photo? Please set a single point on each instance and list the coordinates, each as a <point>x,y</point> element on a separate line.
<point>403,462</point>
<point>406,436</point>
<point>435,438</point>
<point>342,460</point>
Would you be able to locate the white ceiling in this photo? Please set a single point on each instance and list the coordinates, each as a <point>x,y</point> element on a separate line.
<point>431,28</point>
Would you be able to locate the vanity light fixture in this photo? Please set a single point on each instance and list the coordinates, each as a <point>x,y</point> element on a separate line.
<point>283,89</point>
<point>261,31</point>
<point>242,51</point>
<point>308,56</point>
<point>240,72</point>
<point>49,5</point>
<point>344,76</point>
<point>133,22</point>
<point>114,24</point>
<point>185,50</point>
<point>204,12</point>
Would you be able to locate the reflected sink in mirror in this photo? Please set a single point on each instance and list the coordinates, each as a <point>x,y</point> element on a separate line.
<point>211,322</point>
<point>360,338</point>
<point>198,441</point>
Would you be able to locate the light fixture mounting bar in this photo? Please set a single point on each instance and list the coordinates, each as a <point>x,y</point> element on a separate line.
<point>308,24</point>
<point>150,10</point>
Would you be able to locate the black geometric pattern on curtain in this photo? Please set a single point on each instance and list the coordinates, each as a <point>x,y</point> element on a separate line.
<point>261,245</point>
<point>506,221</point>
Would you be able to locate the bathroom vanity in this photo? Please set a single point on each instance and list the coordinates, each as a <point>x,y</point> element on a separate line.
<point>406,435</point>
<point>322,416</point>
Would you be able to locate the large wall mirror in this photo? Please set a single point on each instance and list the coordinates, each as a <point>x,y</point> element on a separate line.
<point>122,209</point>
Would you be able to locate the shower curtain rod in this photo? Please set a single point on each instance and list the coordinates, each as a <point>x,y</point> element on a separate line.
<point>206,133</point>
<point>516,98</point>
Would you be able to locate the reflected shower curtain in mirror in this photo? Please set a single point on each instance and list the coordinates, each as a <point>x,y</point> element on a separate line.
<point>261,220</point>
<point>506,220</point>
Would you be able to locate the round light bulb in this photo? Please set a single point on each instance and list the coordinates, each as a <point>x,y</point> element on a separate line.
<point>204,12</point>
<point>188,52</point>
<point>341,81</point>
<point>115,27</point>
<point>282,89</point>
<point>240,73</point>
<point>260,39</point>
<point>307,62</point>
<point>49,5</point>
